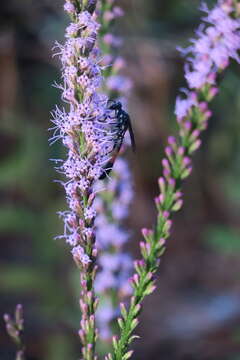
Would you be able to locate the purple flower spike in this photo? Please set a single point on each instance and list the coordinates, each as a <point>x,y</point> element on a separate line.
<point>85,128</point>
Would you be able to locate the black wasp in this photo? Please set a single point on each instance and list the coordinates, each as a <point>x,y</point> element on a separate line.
<point>123,123</point>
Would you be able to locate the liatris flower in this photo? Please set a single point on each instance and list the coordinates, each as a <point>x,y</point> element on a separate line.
<point>87,129</point>
<point>15,328</point>
<point>210,53</point>
<point>115,265</point>
<point>112,205</point>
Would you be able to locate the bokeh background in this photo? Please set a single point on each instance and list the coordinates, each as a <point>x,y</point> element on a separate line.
<point>195,312</point>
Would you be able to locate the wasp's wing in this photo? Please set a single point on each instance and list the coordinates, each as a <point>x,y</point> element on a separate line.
<point>130,129</point>
<point>114,153</point>
<point>108,167</point>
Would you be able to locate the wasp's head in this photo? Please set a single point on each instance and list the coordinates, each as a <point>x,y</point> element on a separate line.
<point>115,105</point>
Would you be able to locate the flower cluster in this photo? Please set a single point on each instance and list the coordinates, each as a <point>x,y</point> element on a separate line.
<point>117,84</point>
<point>115,265</point>
<point>87,130</point>
<point>209,54</point>
<point>217,42</point>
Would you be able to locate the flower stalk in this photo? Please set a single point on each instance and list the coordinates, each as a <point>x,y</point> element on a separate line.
<point>86,128</point>
<point>209,55</point>
<point>15,328</point>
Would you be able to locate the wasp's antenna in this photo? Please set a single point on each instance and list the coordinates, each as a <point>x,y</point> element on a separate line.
<point>109,102</point>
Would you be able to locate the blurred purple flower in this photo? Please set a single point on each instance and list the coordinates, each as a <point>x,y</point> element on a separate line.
<point>112,205</point>
<point>119,83</point>
<point>112,40</point>
<point>217,41</point>
<point>213,47</point>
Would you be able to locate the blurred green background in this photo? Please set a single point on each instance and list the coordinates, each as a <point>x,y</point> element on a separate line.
<point>195,313</point>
